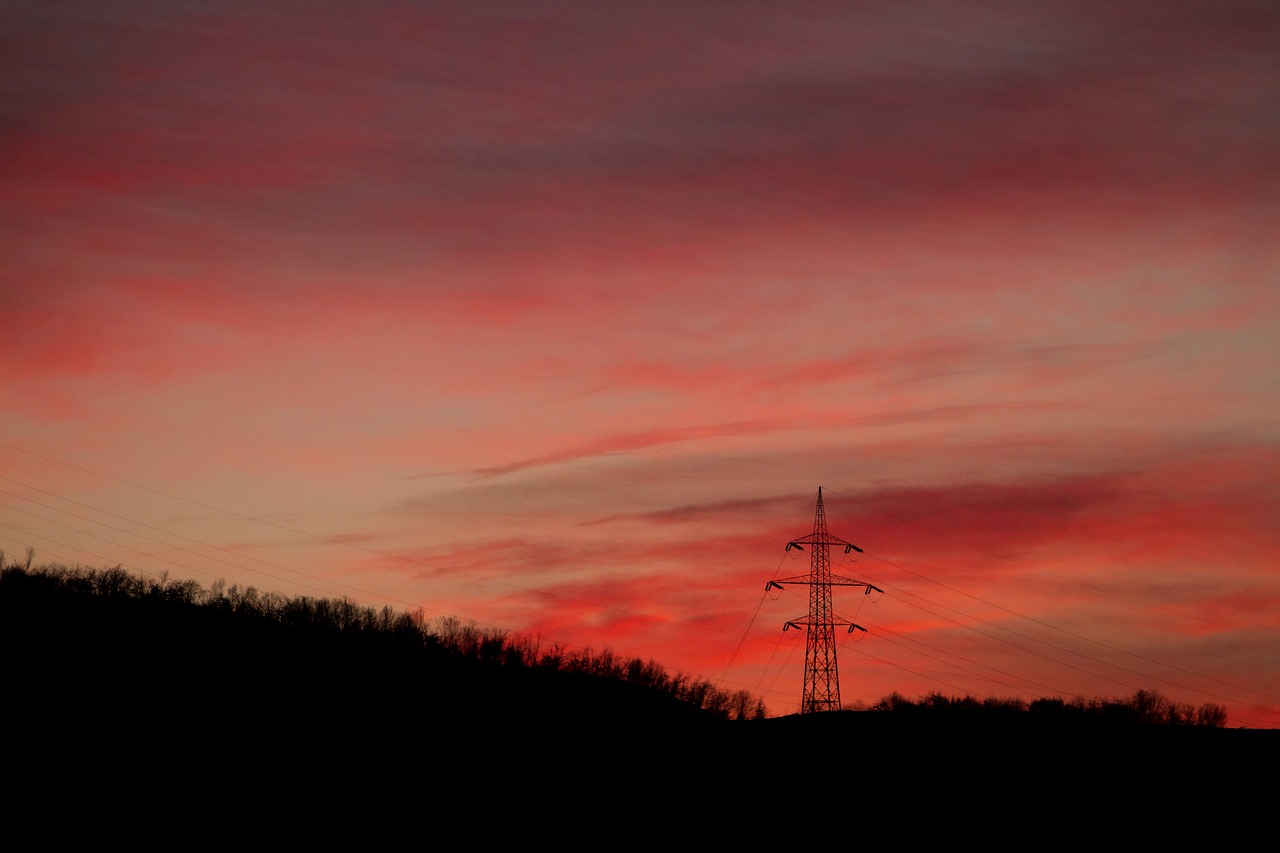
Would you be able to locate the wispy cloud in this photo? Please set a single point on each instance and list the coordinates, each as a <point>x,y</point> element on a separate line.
<point>569,311</point>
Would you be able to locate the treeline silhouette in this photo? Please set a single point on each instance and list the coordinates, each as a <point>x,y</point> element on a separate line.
<point>117,631</point>
<point>1145,706</point>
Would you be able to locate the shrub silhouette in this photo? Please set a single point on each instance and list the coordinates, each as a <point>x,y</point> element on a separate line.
<point>1145,706</point>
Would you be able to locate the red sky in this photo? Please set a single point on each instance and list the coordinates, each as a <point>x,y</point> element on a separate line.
<point>555,316</point>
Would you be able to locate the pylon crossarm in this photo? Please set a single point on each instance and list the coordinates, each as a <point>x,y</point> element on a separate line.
<point>798,579</point>
<point>837,580</point>
<point>822,539</point>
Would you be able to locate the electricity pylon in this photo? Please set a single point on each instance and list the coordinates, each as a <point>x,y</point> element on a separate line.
<point>821,677</point>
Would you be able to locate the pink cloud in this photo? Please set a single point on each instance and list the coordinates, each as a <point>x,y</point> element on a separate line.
<point>569,302</point>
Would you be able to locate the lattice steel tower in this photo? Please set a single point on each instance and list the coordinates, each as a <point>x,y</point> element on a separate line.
<point>821,677</point>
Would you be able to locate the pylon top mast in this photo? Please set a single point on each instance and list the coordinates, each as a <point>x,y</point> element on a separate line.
<point>821,675</point>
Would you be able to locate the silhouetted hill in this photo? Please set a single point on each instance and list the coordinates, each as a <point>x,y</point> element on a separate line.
<point>104,671</point>
<point>78,654</point>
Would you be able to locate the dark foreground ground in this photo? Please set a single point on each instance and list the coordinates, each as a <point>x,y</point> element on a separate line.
<point>125,714</point>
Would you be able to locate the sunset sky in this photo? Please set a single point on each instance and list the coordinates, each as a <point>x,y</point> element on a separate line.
<point>555,315</point>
